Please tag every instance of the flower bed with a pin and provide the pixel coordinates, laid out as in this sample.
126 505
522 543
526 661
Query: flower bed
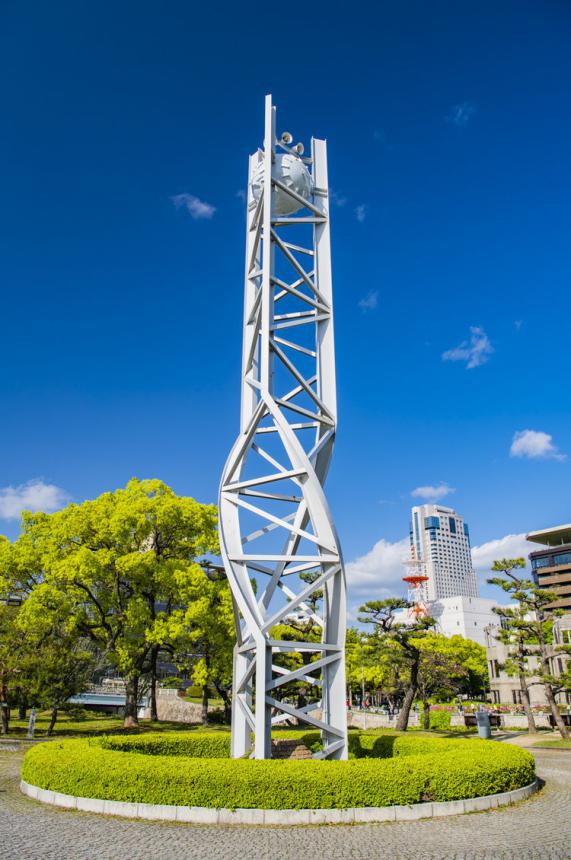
192 770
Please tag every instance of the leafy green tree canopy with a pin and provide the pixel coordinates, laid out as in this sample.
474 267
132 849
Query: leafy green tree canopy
111 569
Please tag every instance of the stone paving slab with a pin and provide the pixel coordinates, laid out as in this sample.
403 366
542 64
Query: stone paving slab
536 828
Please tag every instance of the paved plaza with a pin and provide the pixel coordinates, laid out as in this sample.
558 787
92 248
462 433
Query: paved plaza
537 828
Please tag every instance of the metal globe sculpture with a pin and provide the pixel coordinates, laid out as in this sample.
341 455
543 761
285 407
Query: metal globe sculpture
291 172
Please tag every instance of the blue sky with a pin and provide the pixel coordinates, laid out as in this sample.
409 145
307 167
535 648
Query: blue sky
449 137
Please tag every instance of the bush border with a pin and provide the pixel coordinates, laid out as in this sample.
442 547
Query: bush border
278 817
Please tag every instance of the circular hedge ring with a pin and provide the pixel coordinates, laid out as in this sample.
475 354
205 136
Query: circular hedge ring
193 769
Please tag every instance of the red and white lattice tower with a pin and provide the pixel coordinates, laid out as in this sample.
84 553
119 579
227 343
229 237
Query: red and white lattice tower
416 580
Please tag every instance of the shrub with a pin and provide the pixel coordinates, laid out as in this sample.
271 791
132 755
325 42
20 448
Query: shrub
440 719
193 745
388 769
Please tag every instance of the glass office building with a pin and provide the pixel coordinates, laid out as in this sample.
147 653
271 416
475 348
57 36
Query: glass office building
551 566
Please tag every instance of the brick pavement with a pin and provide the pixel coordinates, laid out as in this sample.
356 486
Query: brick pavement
537 828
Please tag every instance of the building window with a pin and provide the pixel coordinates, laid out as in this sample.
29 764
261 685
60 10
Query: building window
516 696
546 561
452 525
431 523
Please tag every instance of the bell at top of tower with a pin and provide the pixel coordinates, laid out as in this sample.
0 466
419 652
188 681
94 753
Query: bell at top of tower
290 170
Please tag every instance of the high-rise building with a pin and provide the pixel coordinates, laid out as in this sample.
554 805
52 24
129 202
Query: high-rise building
440 539
551 566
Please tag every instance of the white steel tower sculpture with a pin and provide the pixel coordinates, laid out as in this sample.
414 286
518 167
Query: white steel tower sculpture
275 527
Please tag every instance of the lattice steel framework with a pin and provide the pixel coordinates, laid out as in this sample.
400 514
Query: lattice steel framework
277 536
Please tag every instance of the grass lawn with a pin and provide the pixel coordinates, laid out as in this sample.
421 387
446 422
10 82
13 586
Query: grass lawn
103 724
94 724
559 744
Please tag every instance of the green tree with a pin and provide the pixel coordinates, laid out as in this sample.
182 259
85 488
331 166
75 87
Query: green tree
200 633
113 568
14 652
441 671
381 614
521 645
530 624
373 663
62 667
466 654
39 669
355 661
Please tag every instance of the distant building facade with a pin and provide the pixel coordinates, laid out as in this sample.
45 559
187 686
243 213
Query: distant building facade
551 566
439 538
464 616
505 689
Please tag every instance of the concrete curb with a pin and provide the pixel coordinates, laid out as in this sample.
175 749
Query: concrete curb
273 817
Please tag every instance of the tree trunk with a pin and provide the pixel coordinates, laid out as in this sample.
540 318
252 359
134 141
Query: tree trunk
205 705
131 720
227 701
559 721
545 667
402 722
426 706
526 703
22 712
5 720
53 718
153 691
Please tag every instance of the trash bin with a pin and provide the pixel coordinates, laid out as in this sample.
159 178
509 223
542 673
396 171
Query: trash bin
484 728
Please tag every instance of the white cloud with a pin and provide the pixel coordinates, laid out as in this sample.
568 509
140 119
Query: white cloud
461 114
535 445
370 301
433 494
241 194
474 352
361 212
378 573
33 496
509 546
518 324
197 208
338 199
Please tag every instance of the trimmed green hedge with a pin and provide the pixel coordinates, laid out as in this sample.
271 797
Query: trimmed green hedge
193 745
420 769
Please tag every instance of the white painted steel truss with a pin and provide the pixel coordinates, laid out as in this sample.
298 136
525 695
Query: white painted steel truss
275 523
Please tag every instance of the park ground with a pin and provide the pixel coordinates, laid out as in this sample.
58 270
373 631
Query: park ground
536 828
